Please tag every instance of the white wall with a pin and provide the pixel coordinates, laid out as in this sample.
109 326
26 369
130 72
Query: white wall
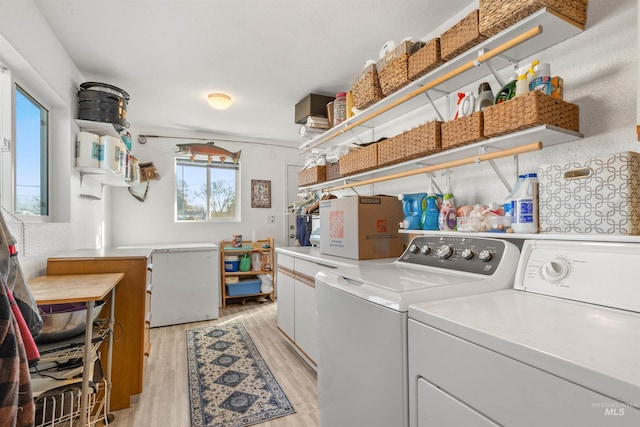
153 221
77 222
599 67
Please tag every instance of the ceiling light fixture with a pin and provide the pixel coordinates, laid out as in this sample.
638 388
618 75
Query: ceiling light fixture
219 101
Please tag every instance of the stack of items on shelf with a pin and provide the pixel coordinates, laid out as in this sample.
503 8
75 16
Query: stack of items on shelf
312 113
533 97
109 153
434 211
56 378
314 126
398 66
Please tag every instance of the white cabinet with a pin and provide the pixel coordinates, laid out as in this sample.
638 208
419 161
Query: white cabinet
286 302
297 304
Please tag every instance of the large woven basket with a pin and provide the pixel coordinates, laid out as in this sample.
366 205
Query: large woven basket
463 131
366 88
360 160
391 150
496 15
525 111
312 175
426 59
461 37
393 69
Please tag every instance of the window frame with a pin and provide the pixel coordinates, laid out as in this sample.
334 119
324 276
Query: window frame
209 165
19 86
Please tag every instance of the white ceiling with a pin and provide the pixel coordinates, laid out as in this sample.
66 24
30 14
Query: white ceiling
267 54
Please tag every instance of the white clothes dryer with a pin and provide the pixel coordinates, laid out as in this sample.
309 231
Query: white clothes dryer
561 348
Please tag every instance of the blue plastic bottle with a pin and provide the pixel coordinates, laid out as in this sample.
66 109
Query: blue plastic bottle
413 206
431 213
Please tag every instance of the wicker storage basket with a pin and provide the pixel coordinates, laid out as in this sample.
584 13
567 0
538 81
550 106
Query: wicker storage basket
366 88
461 37
333 171
496 15
417 142
533 109
462 131
393 69
360 160
391 151
425 60
312 175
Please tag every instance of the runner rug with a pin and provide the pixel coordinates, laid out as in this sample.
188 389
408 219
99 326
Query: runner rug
230 384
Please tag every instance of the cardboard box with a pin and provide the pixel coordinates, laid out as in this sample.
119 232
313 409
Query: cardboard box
600 195
312 105
361 227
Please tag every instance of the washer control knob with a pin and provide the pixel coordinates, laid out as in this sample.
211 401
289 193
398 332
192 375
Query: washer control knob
555 269
485 255
444 252
467 253
425 250
414 249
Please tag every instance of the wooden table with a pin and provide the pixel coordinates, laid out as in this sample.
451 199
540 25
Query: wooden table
87 288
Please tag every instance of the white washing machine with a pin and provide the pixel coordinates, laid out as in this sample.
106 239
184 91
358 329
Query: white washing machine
561 348
362 322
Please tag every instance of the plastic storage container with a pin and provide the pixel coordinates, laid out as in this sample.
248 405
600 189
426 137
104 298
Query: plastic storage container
243 287
231 263
340 108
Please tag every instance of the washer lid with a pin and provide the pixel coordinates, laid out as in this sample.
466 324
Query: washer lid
594 346
396 287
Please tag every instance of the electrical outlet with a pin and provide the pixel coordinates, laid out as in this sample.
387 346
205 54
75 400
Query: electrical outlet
271 219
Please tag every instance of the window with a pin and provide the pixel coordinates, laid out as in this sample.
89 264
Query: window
31 156
207 191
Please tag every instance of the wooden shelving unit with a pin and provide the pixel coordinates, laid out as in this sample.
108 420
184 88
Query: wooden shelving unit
264 247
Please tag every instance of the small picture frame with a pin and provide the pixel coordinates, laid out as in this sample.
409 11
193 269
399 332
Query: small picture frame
260 193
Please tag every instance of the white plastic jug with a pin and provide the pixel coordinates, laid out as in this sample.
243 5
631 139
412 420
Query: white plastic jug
525 206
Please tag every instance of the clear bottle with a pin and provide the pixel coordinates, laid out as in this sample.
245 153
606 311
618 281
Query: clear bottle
340 108
525 206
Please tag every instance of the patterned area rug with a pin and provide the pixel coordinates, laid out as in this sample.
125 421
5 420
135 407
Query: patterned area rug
230 384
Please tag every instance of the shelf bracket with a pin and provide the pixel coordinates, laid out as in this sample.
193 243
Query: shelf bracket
433 105
492 67
498 172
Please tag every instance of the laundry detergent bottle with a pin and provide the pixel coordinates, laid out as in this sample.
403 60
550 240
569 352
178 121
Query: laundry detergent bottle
525 206
447 220
413 205
431 213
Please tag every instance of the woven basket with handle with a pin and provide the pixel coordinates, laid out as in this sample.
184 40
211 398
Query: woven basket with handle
529 110
360 160
497 15
463 131
461 37
366 88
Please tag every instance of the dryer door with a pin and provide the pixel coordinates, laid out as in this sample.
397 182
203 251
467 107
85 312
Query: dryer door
437 408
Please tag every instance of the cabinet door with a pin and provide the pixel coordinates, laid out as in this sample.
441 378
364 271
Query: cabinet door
286 301
305 317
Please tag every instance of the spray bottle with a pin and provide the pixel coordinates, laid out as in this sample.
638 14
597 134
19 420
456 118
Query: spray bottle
507 91
524 76
447 220
431 213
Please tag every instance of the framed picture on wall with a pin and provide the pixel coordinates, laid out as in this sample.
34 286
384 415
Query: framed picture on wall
260 193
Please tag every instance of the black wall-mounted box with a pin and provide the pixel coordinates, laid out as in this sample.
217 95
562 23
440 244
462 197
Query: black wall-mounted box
312 105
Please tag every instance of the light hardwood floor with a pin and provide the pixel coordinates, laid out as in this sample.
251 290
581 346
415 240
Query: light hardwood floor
165 399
